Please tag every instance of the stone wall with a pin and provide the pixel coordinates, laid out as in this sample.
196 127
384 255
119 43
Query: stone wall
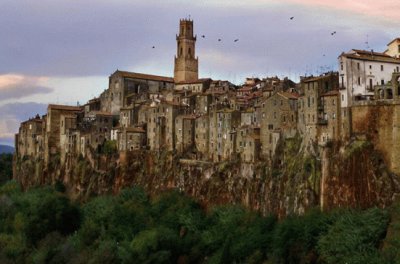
380 124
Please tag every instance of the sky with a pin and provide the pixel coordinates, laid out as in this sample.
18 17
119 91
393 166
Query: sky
62 51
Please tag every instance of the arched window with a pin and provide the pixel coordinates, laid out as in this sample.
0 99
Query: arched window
190 52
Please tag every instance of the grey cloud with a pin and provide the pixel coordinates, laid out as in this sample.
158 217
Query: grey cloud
20 91
15 113
79 38
23 111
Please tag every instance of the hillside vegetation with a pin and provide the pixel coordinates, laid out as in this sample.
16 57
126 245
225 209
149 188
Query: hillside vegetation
42 225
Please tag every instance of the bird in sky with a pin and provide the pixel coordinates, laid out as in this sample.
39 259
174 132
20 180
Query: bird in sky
153 47
236 40
333 33
291 18
203 36
219 39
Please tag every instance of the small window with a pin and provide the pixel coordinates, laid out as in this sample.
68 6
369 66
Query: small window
358 65
370 67
381 67
382 82
359 80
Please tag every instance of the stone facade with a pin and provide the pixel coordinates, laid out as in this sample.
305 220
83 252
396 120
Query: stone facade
186 62
278 120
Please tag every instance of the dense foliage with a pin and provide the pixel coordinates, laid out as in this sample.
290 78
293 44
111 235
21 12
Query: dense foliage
5 167
43 226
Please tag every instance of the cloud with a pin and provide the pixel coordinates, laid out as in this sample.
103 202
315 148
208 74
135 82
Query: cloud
94 38
19 86
387 9
15 113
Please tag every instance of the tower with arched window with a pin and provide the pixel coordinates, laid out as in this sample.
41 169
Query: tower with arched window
186 63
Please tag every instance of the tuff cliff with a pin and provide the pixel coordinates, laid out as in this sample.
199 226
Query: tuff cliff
354 175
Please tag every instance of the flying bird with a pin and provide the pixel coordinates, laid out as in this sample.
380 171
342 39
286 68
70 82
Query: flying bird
153 47
291 18
236 40
203 36
219 39
333 33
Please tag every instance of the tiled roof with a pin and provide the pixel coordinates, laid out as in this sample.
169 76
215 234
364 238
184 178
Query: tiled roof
64 107
144 76
370 56
331 93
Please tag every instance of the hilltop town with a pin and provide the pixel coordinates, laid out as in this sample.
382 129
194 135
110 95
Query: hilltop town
214 121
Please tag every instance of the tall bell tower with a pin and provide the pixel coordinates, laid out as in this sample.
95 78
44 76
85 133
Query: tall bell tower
186 64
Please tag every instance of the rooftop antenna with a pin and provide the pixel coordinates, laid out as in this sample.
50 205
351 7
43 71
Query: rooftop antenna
367 43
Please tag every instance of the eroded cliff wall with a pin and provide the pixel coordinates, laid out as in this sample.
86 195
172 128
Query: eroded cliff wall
354 175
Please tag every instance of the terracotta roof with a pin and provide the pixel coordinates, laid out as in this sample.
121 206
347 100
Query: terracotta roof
144 76
294 96
370 56
331 93
316 78
64 107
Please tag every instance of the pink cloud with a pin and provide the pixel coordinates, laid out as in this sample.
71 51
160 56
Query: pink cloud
18 86
388 9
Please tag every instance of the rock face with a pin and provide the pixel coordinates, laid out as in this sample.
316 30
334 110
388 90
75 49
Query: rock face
351 176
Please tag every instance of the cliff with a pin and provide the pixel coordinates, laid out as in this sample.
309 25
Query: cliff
339 176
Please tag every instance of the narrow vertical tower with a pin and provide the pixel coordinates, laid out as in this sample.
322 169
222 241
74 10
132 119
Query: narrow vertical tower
186 64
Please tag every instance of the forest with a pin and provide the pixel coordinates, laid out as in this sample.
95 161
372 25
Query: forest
42 225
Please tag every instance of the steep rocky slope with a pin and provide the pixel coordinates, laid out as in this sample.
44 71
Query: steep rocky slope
352 175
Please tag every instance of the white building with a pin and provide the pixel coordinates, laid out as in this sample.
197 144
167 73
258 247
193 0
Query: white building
360 71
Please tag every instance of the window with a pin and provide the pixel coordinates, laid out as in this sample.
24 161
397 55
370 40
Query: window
370 84
370 67
341 66
382 81
359 80
381 67
342 97
270 126
358 65
397 68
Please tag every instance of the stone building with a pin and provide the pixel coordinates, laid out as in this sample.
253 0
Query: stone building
278 120
248 143
161 124
127 87
29 140
53 124
224 122
310 104
131 138
202 135
69 139
185 132
330 121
